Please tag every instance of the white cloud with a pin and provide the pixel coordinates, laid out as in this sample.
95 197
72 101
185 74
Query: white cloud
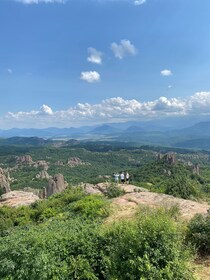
166 72
139 2
40 1
9 70
94 56
90 76
111 110
123 49
46 110
169 86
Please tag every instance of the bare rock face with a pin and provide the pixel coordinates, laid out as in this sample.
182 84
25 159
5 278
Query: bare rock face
56 184
74 161
43 175
196 169
59 163
91 189
18 198
41 163
4 182
170 158
27 159
159 156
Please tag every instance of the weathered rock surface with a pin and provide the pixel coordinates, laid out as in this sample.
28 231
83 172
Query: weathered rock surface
27 159
187 208
41 163
56 184
4 182
75 161
91 189
18 198
170 158
59 163
101 188
43 175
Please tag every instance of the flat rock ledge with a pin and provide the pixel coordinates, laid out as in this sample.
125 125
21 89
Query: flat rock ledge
188 208
18 198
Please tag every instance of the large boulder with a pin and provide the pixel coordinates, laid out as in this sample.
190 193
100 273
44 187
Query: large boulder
4 182
56 184
18 198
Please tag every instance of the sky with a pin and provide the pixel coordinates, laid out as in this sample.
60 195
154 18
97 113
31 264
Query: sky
70 63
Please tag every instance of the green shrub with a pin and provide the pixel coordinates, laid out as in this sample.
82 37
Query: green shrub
182 186
199 233
91 206
114 190
150 247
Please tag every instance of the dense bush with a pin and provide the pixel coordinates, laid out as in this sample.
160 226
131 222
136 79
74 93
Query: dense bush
72 200
199 233
182 186
114 190
149 247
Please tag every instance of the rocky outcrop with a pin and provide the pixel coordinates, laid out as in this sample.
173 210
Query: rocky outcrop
101 188
75 161
27 159
41 163
43 175
196 169
90 189
18 198
56 184
59 163
4 182
187 208
169 158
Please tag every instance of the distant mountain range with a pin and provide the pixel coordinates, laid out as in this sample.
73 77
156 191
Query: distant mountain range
152 133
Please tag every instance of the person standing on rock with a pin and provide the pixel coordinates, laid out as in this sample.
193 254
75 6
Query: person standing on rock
116 177
122 178
127 176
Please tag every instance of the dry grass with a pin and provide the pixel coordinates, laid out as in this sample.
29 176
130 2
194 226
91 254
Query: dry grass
202 268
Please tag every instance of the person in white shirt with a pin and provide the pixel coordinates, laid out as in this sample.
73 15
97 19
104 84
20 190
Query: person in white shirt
116 177
122 178
127 176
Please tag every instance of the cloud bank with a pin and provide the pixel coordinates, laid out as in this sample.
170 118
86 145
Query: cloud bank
110 110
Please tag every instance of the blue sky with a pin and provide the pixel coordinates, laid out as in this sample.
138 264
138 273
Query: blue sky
73 62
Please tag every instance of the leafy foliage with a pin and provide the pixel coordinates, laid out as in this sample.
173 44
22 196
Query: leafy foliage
113 190
199 233
150 247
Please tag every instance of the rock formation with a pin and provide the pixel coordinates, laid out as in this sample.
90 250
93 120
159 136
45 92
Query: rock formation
196 169
59 163
56 184
4 182
74 161
18 198
159 156
27 159
170 158
41 163
43 175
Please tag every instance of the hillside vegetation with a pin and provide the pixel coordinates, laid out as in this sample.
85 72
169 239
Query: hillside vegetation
74 235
